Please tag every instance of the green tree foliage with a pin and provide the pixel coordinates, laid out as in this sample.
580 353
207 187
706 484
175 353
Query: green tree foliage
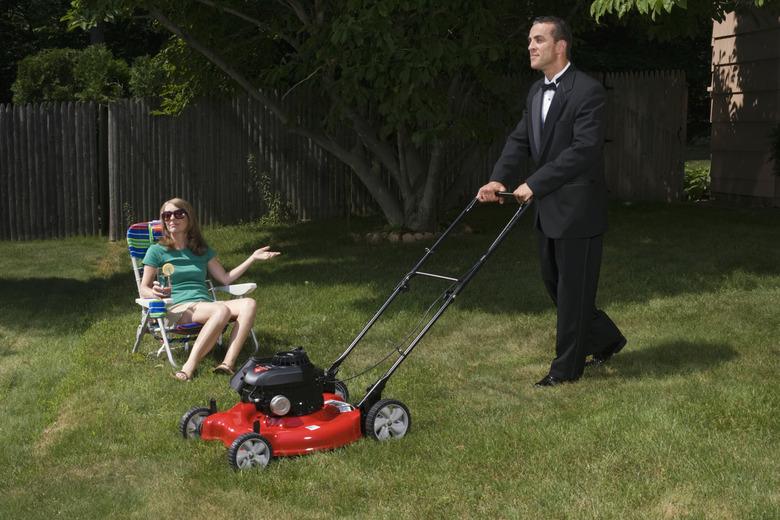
711 9
176 76
92 74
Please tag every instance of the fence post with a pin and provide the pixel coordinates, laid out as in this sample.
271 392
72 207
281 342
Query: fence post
102 173
6 171
111 160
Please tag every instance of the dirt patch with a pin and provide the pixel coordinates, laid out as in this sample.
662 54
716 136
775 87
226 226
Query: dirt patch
65 421
111 261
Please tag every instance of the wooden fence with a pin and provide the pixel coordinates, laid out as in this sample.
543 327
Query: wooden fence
645 150
82 169
49 171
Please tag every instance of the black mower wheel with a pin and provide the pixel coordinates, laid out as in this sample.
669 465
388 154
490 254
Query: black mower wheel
387 419
249 450
189 425
342 391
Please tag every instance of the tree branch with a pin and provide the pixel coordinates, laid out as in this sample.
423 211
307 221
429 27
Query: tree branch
319 12
434 167
367 134
354 159
414 161
210 55
254 21
280 113
298 9
403 170
304 80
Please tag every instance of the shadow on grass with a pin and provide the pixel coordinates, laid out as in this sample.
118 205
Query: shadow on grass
52 304
324 254
651 251
669 359
6 351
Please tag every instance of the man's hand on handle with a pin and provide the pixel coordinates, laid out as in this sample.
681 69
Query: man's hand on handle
523 193
489 193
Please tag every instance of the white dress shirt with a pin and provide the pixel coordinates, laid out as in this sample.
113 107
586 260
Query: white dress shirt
547 95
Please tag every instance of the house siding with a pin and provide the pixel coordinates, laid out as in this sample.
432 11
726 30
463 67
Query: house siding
745 107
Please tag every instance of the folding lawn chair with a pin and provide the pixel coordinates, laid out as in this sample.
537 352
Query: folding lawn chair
140 237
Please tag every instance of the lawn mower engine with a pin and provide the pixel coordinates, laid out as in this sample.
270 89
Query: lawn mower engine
287 384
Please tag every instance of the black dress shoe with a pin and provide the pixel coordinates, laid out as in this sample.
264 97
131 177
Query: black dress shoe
549 380
602 357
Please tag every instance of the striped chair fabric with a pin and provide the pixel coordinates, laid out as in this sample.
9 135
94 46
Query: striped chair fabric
140 237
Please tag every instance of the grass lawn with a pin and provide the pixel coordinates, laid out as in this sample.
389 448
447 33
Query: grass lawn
683 423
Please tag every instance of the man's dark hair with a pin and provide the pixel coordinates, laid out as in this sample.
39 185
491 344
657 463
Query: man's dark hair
561 30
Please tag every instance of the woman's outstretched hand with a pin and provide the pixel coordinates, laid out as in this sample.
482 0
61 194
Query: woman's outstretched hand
264 254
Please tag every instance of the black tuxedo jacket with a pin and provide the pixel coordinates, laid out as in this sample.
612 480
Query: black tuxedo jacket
567 176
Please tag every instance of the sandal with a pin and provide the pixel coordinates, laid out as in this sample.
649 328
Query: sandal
181 375
222 368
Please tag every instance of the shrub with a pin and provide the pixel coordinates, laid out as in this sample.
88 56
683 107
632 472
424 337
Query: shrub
99 76
147 77
91 74
697 181
278 211
46 76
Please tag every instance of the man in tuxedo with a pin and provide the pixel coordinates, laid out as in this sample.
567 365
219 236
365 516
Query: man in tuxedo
562 131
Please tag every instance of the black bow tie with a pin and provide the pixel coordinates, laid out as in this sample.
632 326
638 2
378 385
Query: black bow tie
549 86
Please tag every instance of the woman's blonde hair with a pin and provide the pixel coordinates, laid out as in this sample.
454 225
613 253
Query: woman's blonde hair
195 240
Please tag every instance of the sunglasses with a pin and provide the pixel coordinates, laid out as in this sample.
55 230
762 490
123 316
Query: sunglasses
178 214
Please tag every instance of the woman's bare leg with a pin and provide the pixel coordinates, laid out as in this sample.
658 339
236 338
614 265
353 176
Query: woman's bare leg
214 316
243 310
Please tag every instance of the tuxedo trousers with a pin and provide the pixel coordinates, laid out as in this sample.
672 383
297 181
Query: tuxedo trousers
570 271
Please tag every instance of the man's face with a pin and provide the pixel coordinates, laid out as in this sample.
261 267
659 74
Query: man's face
542 47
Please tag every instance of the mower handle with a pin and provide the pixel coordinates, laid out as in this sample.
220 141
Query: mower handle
374 392
506 195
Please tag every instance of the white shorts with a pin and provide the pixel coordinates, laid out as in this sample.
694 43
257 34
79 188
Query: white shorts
177 310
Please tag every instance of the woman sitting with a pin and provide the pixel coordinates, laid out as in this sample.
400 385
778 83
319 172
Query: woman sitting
182 245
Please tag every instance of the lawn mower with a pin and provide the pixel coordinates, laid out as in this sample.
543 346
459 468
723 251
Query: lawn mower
291 407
